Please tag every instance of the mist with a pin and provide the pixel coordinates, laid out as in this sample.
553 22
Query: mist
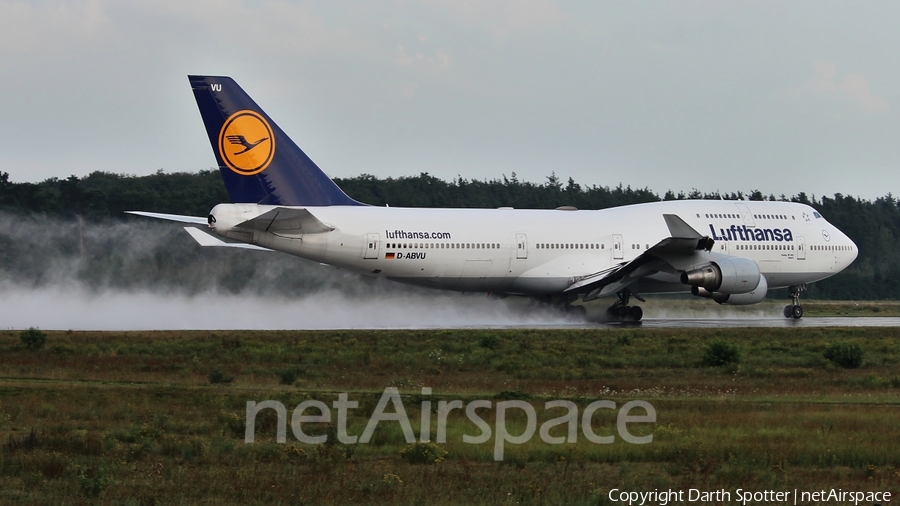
139 274
143 274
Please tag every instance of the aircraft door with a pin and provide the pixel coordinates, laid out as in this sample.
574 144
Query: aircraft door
371 246
801 248
521 246
746 215
618 247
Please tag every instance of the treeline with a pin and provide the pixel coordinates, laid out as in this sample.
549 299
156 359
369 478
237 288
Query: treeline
874 225
105 195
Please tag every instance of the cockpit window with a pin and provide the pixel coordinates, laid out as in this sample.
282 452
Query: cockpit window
817 215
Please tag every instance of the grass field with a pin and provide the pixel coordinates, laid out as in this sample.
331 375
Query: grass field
159 417
850 308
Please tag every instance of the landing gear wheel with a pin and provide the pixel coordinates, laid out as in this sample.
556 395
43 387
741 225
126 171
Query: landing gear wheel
636 313
621 311
794 310
579 312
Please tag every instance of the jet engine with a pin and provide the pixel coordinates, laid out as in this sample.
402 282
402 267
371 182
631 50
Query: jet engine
731 275
740 299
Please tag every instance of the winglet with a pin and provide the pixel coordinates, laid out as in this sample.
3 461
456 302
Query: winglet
679 229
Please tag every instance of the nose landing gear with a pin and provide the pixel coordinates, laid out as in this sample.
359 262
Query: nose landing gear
794 310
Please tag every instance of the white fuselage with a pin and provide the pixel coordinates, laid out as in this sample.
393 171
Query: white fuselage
541 252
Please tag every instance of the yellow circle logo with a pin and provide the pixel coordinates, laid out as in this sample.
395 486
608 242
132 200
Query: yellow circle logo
246 143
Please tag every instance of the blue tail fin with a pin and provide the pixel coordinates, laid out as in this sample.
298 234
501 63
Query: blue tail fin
259 163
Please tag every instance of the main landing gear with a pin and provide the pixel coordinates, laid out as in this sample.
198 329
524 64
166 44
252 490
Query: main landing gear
621 311
577 312
559 305
794 310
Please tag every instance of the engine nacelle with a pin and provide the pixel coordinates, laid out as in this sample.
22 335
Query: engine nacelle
743 299
731 275
699 291
739 299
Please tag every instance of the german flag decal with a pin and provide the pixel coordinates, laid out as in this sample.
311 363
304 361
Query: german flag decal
389 256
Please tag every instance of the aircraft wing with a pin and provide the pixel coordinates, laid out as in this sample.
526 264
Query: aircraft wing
683 242
287 220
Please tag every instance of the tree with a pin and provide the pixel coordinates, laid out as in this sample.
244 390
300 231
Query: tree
33 338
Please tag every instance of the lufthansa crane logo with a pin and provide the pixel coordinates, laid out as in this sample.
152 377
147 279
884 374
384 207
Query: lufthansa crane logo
246 143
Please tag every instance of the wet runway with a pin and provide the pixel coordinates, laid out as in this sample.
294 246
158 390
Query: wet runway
82 309
718 323
730 323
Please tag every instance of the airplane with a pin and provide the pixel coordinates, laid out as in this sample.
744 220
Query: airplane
732 252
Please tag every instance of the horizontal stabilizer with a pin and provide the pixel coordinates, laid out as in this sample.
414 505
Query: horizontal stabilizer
172 217
286 220
205 239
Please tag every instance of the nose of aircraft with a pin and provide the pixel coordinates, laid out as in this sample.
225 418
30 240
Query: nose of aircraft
853 253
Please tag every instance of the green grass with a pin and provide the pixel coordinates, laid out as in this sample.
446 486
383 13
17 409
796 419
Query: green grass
131 418
851 308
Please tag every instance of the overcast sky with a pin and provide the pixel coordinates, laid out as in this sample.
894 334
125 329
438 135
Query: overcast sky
778 96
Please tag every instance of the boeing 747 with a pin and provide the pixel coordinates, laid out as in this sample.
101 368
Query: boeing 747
732 252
